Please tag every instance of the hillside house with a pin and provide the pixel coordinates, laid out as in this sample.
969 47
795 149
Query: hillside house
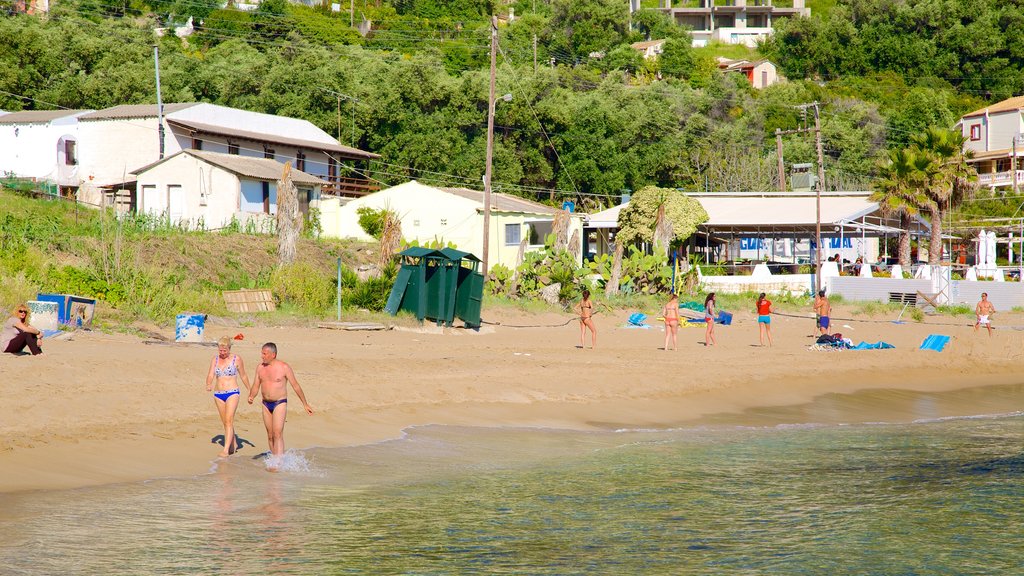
41 145
732 21
119 141
760 73
994 135
454 215
204 189
650 49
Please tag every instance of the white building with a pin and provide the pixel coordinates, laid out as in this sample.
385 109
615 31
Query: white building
995 135
41 145
733 22
211 189
451 215
118 141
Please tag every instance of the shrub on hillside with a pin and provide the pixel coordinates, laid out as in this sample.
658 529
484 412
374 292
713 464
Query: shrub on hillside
303 285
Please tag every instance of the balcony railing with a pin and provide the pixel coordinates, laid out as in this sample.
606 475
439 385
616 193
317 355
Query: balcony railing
342 186
1000 178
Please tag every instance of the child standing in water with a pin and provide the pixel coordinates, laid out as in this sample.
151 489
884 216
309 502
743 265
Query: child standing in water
764 318
671 315
709 319
585 311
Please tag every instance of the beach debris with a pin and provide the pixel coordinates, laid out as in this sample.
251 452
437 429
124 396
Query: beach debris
352 326
239 336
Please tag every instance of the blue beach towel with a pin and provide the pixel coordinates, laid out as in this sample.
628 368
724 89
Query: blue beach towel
875 346
935 342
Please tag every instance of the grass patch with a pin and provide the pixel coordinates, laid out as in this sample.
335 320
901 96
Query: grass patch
141 269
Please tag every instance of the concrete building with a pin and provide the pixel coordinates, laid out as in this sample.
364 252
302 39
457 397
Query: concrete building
41 145
732 21
210 190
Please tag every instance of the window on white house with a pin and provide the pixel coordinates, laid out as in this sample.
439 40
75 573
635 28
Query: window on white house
538 232
976 132
232 148
300 161
69 153
513 234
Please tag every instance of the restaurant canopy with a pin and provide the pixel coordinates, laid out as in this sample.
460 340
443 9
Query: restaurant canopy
783 213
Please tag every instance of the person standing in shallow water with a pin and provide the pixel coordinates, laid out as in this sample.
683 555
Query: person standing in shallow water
272 379
709 320
585 312
764 318
224 373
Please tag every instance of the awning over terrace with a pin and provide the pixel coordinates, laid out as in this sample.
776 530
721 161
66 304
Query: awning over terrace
760 214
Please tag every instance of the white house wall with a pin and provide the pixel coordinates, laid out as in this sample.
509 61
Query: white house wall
428 214
35 150
316 162
111 149
1003 127
210 193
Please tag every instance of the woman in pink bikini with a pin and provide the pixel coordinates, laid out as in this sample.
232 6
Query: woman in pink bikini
671 315
225 371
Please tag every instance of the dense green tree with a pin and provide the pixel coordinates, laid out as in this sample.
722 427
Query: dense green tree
581 27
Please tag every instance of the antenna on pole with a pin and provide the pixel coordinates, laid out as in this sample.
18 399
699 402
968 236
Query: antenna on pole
159 100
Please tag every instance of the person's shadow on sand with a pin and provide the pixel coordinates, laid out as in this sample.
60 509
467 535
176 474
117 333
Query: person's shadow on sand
239 442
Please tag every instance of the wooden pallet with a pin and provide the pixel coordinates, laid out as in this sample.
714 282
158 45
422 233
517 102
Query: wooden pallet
249 300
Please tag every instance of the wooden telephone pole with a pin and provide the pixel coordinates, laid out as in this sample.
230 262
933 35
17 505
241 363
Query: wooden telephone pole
490 148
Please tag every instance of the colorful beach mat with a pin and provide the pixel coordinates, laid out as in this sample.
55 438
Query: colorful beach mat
935 342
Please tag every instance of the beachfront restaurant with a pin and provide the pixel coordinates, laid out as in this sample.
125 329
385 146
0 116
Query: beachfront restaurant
776 228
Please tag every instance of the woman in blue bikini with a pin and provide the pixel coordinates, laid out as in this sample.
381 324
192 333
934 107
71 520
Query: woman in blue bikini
224 373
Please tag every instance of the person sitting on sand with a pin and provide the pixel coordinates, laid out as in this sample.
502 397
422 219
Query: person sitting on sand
984 310
272 378
17 333
585 311
823 309
671 315
709 320
225 371
764 318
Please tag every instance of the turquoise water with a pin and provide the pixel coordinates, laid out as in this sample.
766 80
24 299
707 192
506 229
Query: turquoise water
937 495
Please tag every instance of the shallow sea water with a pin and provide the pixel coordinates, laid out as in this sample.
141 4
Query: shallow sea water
808 489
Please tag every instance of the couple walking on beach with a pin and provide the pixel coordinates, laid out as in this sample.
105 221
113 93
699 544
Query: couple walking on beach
272 379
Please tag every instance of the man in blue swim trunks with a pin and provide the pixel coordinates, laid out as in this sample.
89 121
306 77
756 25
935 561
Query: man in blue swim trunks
272 377
823 310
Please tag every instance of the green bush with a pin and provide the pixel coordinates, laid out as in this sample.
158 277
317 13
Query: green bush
304 286
371 220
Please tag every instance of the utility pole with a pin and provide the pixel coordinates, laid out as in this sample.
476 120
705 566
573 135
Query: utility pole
339 118
782 165
490 146
534 53
818 188
159 100
351 13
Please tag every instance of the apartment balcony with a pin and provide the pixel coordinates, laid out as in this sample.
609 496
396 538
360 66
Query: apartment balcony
1000 179
350 187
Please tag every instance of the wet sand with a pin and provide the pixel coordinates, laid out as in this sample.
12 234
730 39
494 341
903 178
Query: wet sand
104 408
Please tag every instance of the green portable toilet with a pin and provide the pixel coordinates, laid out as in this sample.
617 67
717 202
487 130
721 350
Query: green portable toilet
435 284
469 285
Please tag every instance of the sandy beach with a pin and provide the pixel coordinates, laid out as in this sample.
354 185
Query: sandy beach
105 408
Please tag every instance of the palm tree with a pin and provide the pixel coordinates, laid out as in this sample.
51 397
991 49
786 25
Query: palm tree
899 191
951 179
